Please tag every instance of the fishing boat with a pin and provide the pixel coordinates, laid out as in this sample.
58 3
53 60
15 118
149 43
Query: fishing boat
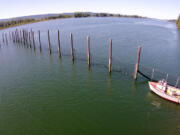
162 89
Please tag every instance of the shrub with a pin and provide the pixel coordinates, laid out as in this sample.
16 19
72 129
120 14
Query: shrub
178 22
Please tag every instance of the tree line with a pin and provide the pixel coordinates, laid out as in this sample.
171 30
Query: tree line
15 22
84 14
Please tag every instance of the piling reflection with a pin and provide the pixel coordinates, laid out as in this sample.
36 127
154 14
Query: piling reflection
89 76
109 84
51 59
135 84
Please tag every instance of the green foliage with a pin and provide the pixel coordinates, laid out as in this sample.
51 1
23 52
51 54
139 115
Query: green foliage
81 14
14 22
64 16
178 22
52 17
103 15
59 16
117 15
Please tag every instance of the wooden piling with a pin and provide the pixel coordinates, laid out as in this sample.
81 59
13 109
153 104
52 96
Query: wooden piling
16 35
22 37
49 43
33 41
25 41
72 49
59 46
152 76
20 34
137 63
88 51
23 32
39 34
177 81
3 37
9 35
29 39
6 39
17 40
26 37
167 77
13 36
110 55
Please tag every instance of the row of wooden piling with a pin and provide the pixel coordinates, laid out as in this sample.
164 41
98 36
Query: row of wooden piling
4 38
27 39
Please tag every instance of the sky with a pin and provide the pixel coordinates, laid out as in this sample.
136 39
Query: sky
160 9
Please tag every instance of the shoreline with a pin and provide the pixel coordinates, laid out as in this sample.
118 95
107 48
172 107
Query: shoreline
18 21
43 20
20 24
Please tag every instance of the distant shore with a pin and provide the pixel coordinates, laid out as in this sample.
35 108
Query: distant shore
18 24
32 19
13 22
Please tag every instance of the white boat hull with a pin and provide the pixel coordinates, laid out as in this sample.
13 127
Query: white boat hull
162 94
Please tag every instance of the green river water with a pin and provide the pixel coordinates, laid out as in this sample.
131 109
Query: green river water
45 95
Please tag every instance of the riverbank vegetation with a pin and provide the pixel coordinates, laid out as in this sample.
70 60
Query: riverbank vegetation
22 21
84 14
178 22
16 22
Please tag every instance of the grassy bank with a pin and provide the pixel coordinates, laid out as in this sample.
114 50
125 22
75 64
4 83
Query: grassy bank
17 22
8 25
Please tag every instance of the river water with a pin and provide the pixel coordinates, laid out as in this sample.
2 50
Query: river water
42 94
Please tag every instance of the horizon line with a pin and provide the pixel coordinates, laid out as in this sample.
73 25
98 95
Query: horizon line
83 12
